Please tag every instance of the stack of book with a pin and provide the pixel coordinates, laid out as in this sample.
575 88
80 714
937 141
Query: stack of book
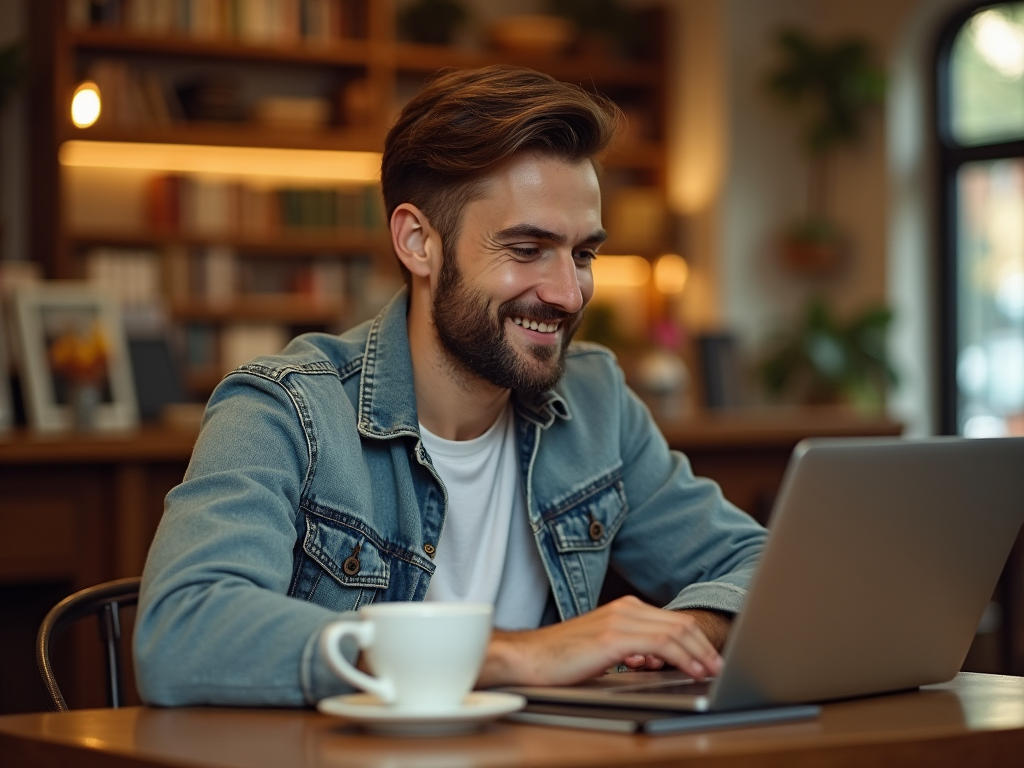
256 22
194 206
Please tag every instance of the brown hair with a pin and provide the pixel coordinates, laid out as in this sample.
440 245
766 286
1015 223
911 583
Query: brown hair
467 121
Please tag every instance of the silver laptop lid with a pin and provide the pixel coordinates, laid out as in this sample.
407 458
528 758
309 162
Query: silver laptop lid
882 556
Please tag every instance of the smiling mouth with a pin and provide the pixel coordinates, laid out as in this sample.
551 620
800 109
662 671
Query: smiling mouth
534 325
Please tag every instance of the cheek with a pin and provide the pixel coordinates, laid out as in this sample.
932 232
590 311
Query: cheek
586 283
504 282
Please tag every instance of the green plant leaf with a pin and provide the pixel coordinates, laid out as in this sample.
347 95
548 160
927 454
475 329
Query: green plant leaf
831 87
823 358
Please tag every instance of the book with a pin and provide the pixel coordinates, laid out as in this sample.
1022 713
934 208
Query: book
654 721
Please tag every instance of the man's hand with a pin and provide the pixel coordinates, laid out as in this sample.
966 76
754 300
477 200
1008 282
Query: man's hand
714 624
584 647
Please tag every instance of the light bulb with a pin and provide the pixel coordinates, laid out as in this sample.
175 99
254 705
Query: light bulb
670 273
85 104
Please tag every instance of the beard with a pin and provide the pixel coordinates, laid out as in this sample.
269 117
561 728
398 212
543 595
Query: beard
477 341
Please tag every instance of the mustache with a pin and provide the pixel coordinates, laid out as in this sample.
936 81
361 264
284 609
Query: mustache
535 311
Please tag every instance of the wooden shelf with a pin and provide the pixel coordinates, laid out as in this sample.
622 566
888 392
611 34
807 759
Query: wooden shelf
280 308
584 70
349 52
348 243
762 427
240 134
405 57
390 68
147 443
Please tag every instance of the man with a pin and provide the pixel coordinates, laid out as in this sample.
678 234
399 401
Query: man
454 448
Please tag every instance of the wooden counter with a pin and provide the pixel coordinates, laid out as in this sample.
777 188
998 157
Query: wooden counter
746 451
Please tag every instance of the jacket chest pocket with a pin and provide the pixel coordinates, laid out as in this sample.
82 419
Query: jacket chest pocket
590 524
582 531
339 566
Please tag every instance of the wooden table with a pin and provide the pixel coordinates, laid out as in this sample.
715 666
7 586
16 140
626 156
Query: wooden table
975 720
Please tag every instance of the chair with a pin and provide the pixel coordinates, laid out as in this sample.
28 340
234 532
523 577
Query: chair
103 600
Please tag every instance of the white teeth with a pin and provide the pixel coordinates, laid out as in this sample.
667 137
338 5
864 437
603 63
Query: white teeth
533 325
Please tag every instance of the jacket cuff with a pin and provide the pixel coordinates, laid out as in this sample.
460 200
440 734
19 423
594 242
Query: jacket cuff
318 680
714 596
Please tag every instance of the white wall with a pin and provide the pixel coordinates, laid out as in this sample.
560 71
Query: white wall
766 188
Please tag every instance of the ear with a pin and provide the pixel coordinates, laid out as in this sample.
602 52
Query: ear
414 240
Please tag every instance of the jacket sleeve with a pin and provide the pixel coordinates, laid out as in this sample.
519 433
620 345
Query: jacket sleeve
214 622
682 544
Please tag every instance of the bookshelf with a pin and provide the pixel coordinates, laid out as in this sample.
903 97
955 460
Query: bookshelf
285 240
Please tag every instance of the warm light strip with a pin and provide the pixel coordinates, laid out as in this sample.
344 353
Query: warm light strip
230 161
621 271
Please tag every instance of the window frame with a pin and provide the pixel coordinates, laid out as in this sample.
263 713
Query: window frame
951 158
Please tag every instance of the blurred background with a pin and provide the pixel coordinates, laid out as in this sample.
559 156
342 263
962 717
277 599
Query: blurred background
816 219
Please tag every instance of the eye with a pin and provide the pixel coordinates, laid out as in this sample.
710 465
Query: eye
586 256
525 251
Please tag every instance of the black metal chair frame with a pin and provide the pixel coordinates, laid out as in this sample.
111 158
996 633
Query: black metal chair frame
104 601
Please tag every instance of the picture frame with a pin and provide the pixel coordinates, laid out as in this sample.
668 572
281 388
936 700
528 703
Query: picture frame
53 312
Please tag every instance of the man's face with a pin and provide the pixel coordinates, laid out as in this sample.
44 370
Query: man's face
511 293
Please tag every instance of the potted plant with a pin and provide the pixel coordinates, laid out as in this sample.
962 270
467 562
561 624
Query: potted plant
831 87
825 360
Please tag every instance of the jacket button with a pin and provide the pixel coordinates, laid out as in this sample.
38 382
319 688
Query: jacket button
596 530
351 565
429 549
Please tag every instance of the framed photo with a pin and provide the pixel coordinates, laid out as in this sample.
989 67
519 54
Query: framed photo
74 359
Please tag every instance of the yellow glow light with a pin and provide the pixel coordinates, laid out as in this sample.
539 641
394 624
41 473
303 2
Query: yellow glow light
670 273
320 164
622 271
85 104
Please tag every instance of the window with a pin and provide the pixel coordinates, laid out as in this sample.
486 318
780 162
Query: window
980 119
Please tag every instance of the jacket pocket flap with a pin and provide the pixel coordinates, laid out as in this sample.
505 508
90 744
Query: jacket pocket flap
347 554
592 523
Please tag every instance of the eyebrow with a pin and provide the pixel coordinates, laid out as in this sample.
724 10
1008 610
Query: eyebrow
539 233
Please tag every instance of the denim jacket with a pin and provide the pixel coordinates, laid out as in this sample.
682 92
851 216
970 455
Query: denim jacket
310 494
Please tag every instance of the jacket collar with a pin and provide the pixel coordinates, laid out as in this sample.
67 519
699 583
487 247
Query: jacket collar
387 393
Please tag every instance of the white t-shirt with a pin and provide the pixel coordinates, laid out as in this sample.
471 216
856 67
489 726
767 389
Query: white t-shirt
487 552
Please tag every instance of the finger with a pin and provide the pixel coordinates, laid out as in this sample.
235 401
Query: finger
635 661
653 662
680 646
700 650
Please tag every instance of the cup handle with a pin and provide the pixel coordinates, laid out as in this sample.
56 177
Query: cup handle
362 631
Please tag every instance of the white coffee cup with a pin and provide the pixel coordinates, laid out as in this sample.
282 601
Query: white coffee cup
425 656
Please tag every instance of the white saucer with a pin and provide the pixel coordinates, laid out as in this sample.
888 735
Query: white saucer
371 713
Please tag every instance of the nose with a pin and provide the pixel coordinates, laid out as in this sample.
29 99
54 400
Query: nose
561 285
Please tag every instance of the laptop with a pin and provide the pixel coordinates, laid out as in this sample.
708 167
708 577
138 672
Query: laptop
881 558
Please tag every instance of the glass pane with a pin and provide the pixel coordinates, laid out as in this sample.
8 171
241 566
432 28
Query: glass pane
990 286
987 77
